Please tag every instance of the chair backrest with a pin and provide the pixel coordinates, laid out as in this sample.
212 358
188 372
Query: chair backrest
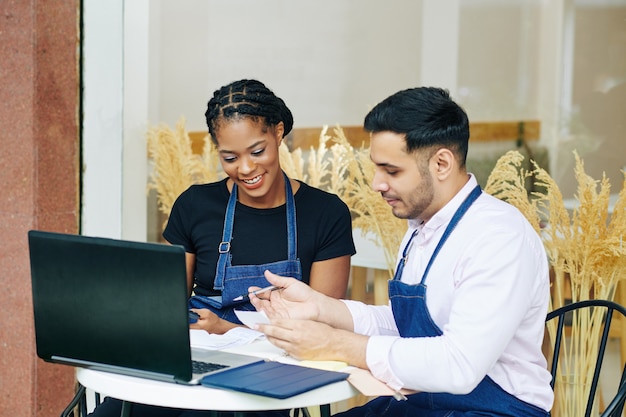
599 314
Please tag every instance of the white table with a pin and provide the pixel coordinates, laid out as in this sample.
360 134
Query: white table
196 397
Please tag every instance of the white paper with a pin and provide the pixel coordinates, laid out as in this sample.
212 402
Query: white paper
237 336
250 318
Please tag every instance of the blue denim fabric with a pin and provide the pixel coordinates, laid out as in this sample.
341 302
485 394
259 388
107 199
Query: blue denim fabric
238 279
234 280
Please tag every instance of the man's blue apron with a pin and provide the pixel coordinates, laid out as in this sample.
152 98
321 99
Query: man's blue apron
408 303
234 280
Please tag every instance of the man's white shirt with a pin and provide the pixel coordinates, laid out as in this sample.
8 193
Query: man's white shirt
487 291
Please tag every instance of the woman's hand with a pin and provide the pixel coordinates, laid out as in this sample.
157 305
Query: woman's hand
210 322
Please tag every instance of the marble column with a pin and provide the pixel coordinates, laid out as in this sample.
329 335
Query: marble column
39 183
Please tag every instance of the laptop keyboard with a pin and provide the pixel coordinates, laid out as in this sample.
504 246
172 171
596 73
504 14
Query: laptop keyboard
199 367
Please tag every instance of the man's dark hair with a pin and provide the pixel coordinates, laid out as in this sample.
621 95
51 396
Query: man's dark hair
247 99
427 116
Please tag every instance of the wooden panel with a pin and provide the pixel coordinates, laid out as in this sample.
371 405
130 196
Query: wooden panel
197 141
503 131
307 137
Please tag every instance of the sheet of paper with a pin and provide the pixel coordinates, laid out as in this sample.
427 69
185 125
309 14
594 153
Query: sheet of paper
325 365
263 349
237 336
250 318
369 386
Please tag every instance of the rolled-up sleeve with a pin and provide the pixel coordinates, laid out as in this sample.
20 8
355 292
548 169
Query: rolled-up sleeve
372 320
379 324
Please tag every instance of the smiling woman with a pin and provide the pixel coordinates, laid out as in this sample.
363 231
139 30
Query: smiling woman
255 219
250 123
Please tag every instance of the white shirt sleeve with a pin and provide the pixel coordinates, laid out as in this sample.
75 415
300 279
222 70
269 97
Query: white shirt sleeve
372 320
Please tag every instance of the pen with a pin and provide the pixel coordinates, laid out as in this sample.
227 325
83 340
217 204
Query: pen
262 290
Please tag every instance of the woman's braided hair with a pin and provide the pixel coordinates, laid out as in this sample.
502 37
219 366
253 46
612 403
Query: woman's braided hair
246 99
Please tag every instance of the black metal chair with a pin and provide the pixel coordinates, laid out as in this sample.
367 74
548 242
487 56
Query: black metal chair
78 406
563 317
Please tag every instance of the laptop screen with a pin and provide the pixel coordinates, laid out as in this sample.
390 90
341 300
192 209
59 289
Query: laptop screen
106 303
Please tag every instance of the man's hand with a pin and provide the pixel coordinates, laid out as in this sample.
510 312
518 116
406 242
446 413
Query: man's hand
311 340
307 324
294 299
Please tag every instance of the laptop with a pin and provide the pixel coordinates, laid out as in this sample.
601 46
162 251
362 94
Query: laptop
117 306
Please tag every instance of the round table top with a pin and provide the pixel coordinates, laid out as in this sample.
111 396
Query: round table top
198 397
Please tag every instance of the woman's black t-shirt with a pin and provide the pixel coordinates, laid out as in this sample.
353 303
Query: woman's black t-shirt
324 230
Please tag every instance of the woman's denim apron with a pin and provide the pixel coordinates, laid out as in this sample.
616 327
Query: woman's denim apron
412 318
234 280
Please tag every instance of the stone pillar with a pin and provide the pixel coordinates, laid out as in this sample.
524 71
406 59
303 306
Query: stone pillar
39 177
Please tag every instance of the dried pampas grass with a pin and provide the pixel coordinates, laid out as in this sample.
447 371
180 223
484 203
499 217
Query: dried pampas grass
174 166
370 212
340 168
334 165
587 255
507 182
587 246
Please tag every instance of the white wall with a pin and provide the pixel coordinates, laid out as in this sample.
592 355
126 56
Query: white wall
333 60
330 60
115 108
103 69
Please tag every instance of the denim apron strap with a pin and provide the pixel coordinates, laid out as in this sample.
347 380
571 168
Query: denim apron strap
234 281
412 298
402 262
453 222
227 235
465 205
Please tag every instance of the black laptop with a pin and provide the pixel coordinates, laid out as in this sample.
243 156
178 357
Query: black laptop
117 306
